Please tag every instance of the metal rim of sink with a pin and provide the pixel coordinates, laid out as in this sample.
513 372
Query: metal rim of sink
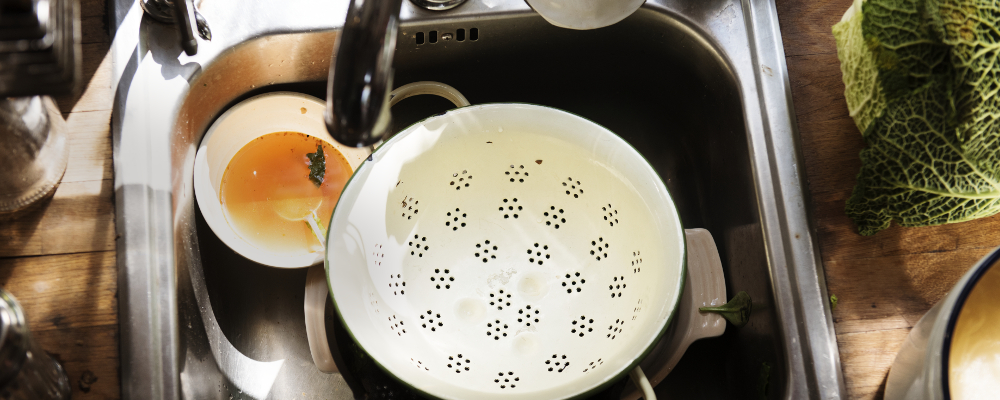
146 199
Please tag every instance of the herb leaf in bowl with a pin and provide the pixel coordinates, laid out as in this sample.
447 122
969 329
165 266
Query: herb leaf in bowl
317 165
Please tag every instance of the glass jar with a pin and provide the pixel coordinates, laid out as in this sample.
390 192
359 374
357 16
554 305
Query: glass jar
33 151
26 371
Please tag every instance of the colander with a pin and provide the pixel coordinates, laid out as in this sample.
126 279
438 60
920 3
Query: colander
506 250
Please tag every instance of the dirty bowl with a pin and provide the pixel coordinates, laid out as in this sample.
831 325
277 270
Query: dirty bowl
241 124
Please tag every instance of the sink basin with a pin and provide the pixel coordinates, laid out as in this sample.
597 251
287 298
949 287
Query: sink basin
698 87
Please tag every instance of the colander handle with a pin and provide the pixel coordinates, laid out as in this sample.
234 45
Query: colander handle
316 289
704 285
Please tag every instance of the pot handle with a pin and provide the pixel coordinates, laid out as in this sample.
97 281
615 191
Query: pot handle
427 87
704 285
316 289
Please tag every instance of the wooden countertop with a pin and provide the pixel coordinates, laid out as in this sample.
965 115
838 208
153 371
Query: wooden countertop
59 259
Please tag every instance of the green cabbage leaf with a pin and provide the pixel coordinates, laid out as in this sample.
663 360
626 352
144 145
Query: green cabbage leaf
922 79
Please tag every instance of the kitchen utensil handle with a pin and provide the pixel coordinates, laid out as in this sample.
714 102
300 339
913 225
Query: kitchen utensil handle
704 285
315 308
428 87
316 289
639 379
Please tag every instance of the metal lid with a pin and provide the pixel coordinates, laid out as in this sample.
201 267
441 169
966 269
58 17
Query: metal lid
13 338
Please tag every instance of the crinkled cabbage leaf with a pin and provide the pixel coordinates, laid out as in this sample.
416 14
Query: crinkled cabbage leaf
922 79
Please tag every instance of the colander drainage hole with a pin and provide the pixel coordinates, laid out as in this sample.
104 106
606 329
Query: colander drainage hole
615 329
445 277
637 259
483 250
516 174
592 365
526 315
494 330
456 219
500 300
418 246
419 364
397 284
507 380
377 255
617 284
536 254
409 207
510 208
573 282
460 180
557 362
395 325
428 321
460 364
556 216
580 326
572 187
612 215
599 248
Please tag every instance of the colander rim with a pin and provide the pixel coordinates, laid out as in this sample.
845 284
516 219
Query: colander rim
612 379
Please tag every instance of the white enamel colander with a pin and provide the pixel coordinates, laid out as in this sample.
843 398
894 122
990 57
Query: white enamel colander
461 292
506 250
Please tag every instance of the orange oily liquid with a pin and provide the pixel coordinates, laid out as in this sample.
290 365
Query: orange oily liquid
267 193
974 359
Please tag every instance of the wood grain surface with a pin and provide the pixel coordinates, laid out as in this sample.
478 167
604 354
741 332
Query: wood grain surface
58 258
885 282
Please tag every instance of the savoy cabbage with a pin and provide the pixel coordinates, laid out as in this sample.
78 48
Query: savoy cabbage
922 79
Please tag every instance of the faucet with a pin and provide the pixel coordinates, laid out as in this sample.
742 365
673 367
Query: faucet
357 99
183 12
357 96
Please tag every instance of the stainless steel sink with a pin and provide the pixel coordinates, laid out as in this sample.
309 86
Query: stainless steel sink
699 87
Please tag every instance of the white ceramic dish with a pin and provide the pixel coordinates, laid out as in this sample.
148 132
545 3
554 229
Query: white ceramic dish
244 122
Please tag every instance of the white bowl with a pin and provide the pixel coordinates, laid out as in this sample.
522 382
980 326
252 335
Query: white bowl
584 14
921 369
244 122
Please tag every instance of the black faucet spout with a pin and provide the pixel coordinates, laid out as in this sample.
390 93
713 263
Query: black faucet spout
357 109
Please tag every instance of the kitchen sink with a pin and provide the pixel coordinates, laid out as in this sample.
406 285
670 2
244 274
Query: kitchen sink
699 87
